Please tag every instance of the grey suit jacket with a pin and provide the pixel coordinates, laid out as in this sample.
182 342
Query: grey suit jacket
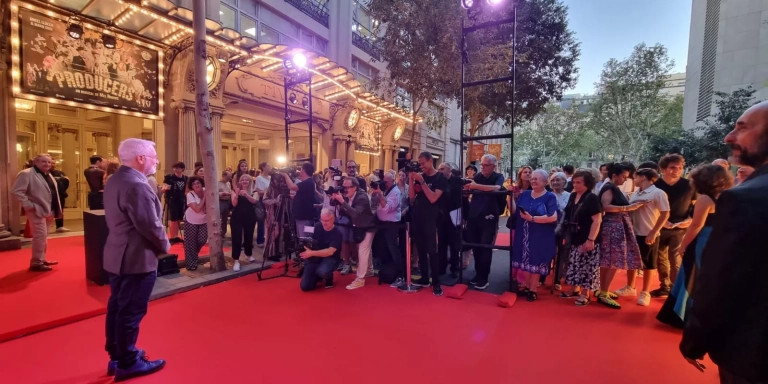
32 191
136 234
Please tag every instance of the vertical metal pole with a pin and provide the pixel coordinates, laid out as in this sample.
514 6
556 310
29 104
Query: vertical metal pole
287 115
311 158
464 156
512 129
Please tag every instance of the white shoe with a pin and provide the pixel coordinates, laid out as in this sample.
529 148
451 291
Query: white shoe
236 267
62 229
644 299
251 259
626 291
356 283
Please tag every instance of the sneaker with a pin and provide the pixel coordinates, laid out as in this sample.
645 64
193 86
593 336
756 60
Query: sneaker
329 284
661 292
346 269
357 283
437 290
423 282
473 281
644 299
398 282
112 366
626 291
251 259
481 284
62 229
236 267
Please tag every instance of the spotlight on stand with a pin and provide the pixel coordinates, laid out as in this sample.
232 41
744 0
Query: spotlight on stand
293 99
281 160
305 102
75 31
109 41
300 61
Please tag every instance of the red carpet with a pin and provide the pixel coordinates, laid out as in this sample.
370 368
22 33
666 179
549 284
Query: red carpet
32 301
246 331
502 238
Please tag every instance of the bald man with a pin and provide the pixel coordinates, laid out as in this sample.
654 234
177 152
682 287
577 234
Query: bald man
729 318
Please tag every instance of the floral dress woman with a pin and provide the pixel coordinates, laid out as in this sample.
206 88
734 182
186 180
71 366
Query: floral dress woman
534 242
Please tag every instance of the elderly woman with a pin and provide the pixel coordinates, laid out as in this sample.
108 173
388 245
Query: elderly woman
195 222
708 181
557 182
618 245
582 219
535 232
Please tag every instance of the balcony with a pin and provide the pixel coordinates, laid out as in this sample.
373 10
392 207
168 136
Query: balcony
313 8
366 45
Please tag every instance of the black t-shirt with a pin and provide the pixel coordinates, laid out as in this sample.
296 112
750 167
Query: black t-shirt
95 178
451 199
322 239
681 196
177 192
422 210
483 205
589 206
303 202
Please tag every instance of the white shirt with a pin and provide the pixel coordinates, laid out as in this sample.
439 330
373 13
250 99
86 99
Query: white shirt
644 218
391 211
562 200
262 183
190 215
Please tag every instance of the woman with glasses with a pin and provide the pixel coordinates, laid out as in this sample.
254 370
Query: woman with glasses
195 222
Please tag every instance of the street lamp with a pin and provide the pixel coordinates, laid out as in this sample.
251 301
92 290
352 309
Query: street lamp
467 4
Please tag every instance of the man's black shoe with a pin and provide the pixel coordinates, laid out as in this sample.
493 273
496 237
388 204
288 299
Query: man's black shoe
473 281
661 292
437 290
112 366
40 268
328 284
423 282
140 368
481 285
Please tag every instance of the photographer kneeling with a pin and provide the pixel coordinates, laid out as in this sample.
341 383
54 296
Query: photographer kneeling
320 262
358 209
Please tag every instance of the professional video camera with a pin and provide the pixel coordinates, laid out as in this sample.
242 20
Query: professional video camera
335 173
279 180
305 242
411 166
380 174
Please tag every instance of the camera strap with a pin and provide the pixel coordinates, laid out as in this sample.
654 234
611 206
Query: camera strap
389 190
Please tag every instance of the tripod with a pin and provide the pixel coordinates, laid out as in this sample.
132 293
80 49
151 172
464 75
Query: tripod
283 243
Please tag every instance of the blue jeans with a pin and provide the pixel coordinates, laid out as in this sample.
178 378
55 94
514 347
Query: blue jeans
316 269
126 307
260 232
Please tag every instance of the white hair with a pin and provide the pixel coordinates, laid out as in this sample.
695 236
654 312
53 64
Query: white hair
327 212
130 149
490 158
544 175
391 173
558 175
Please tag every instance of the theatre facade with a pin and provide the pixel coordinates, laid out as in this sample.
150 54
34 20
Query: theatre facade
79 76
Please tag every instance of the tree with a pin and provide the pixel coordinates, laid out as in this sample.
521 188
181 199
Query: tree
421 46
670 136
631 108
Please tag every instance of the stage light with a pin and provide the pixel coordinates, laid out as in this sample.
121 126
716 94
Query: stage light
300 61
109 41
305 102
467 4
75 31
494 2
293 99
281 160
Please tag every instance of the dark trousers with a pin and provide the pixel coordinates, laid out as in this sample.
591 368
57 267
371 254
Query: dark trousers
668 261
482 231
224 207
126 307
387 247
425 237
448 237
260 232
728 377
317 269
242 237
95 200
59 223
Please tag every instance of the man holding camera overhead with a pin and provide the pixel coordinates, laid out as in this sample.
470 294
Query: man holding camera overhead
304 201
426 188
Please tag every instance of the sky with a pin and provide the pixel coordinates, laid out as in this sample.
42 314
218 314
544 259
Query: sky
611 28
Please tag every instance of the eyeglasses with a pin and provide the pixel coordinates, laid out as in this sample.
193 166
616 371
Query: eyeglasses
487 165
348 186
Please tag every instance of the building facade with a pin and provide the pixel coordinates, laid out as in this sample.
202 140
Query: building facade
129 73
727 50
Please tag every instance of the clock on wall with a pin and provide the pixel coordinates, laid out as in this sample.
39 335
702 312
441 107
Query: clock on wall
354 117
399 132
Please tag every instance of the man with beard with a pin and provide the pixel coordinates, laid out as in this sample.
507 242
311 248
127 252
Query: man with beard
729 318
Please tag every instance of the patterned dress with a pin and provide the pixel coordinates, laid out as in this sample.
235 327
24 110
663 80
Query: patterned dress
583 265
618 245
534 242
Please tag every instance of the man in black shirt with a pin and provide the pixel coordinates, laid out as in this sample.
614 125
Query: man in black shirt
425 191
320 262
568 169
352 172
681 199
304 200
483 220
448 235
95 178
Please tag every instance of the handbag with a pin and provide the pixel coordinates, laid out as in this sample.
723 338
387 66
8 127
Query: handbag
260 211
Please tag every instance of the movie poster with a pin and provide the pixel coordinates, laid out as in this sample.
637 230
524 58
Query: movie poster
367 137
83 70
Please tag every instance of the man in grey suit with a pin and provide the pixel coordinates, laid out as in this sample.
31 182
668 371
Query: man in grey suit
729 316
136 238
36 189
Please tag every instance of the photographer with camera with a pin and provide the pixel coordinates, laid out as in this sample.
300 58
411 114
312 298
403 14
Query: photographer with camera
450 218
386 239
483 218
304 200
425 191
356 205
322 257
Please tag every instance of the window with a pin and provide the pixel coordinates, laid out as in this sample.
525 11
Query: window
268 35
247 26
279 23
227 17
249 7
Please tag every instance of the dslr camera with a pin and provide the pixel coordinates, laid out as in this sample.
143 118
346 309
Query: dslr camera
332 190
305 242
377 184
335 173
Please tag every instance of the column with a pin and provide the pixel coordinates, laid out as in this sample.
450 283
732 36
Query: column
70 161
102 143
187 137
350 151
386 158
217 153
341 149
